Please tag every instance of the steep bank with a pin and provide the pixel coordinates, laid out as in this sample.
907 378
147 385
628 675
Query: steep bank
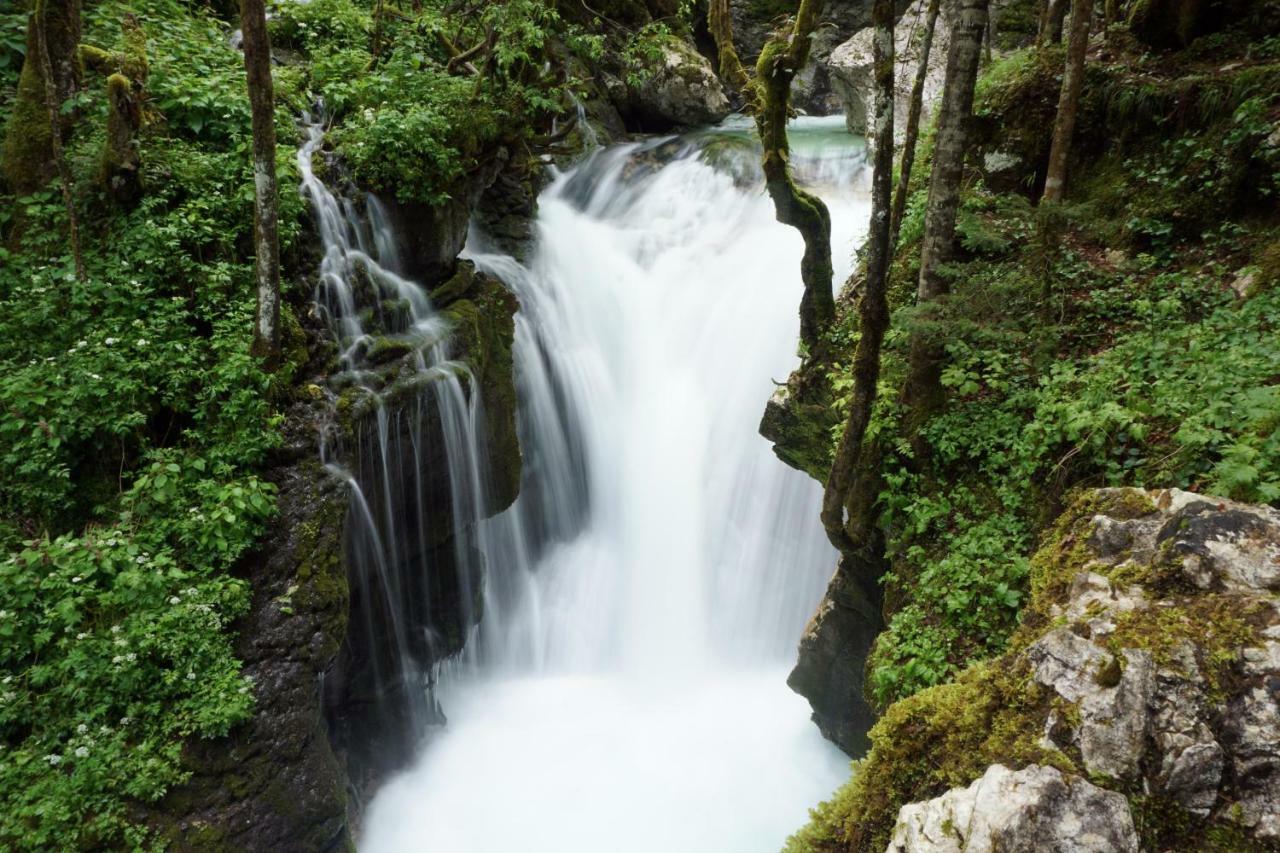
1144 666
1124 337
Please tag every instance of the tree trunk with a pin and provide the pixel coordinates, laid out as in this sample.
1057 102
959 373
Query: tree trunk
720 23
783 56
53 104
924 386
1068 100
266 241
913 125
1051 19
120 168
873 307
29 160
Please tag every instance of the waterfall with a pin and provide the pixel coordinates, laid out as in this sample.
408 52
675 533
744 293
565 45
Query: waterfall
415 572
644 595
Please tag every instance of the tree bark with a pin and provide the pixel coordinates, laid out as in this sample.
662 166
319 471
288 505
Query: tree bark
1068 100
1051 19
52 65
924 386
53 104
266 239
720 23
913 125
873 307
783 56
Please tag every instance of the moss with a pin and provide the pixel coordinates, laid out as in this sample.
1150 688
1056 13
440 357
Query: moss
484 331
1065 551
938 739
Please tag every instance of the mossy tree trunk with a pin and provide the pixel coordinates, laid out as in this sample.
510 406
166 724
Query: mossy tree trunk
923 392
266 233
50 75
873 307
783 56
720 23
120 168
1064 124
914 112
50 71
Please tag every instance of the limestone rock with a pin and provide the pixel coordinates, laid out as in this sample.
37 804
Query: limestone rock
681 91
814 89
1113 707
852 75
1036 808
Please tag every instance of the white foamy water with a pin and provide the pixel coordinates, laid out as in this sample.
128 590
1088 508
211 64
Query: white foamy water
626 688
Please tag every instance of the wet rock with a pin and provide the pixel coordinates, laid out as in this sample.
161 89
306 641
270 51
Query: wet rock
679 91
830 670
1191 759
814 89
1035 808
1253 737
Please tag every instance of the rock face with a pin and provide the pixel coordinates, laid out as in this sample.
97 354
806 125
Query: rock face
852 77
829 671
374 701
1036 808
275 784
813 90
1147 662
1167 660
681 91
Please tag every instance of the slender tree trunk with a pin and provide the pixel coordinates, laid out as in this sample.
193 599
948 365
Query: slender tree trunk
266 240
924 386
720 23
1068 100
53 103
873 307
913 125
1051 18
783 56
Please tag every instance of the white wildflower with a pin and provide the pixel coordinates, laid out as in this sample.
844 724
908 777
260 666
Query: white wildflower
175 600
82 752
54 760
82 729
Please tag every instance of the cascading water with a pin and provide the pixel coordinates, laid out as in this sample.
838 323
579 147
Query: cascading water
625 690
416 426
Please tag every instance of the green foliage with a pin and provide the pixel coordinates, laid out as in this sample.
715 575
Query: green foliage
405 132
409 124
1065 365
134 432
307 25
13 47
645 50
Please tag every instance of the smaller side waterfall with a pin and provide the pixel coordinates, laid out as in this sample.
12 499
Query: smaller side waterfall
417 470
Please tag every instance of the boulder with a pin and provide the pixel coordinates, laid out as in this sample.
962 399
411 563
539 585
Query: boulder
681 90
813 90
1035 808
852 75
1147 661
